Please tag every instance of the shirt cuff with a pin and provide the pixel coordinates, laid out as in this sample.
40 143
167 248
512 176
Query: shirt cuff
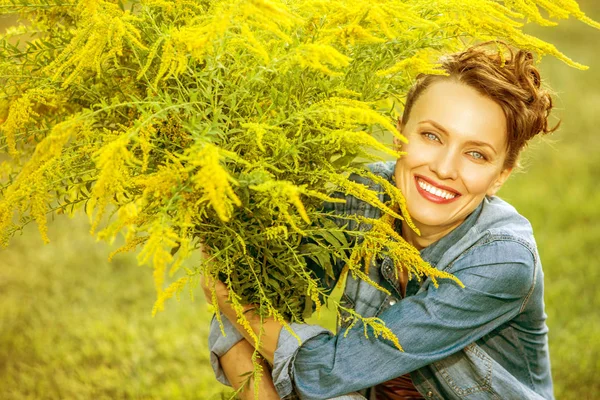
219 344
285 354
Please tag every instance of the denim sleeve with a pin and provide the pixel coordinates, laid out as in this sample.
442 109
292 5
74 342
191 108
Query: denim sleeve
219 345
431 325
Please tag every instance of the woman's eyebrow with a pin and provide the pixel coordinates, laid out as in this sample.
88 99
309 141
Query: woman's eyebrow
482 144
435 124
444 131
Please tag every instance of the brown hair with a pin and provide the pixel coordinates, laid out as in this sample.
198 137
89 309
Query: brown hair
511 80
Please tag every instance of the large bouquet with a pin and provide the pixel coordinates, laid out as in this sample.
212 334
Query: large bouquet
227 124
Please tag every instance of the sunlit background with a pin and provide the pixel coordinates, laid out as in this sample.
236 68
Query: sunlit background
74 326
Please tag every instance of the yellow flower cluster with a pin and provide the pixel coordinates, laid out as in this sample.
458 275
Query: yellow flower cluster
420 63
321 57
376 324
352 34
379 329
282 193
259 130
490 20
127 217
344 113
344 140
361 192
158 249
31 188
100 39
22 112
213 180
254 45
113 161
174 289
396 196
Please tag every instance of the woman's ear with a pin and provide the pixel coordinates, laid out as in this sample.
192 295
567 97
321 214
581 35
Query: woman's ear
499 181
397 142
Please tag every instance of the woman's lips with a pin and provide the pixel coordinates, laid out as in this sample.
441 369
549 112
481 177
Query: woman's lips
434 193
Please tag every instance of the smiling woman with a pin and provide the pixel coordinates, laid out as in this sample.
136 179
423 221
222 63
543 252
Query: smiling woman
456 149
482 341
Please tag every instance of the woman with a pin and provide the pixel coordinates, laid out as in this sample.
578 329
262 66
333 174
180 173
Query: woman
486 341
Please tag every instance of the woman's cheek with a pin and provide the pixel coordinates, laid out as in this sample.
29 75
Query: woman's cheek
477 179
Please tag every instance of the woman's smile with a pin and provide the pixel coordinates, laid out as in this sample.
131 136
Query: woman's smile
433 192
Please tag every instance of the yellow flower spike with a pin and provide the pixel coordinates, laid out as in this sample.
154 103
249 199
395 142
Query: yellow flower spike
395 195
242 319
144 137
21 112
131 244
418 64
213 180
113 161
353 34
151 56
360 139
103 31
252 44
379 329
39 199
275 232
174 289
259 130
158 249
283 192
361 192
343 112
529 9
316 56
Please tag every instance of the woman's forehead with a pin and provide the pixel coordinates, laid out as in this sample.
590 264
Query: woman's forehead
460 111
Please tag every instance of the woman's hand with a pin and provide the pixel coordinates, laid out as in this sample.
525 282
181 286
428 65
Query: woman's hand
221 290
270 327
236 365
237 362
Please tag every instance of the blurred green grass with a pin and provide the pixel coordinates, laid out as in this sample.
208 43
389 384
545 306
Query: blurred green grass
74 326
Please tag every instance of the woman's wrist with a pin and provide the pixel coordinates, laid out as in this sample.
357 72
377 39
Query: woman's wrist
248 309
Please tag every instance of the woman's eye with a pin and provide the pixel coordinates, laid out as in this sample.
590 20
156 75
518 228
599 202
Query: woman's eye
431 136
477 155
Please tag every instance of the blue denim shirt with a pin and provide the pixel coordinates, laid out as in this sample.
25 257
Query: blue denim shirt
485 341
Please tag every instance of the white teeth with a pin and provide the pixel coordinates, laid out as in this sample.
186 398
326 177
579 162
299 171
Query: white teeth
433 190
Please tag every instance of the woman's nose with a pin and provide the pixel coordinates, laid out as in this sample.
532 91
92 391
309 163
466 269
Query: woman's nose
445 165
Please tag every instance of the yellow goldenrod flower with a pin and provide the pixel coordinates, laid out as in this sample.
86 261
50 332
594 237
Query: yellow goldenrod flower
158 249
213 180
319 56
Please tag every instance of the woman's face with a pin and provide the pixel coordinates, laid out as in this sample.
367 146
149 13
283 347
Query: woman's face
455 155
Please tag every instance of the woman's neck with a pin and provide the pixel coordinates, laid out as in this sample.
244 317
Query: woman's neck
428 235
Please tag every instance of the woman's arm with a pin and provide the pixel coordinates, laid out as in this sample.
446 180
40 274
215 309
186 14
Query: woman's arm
271 327
237 363
431 325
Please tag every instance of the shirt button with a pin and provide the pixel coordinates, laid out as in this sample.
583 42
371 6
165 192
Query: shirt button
387 268
392 302
430 394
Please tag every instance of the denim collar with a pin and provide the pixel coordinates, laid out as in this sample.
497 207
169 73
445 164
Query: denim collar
434 252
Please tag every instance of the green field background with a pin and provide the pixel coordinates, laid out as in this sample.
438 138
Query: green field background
74 326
